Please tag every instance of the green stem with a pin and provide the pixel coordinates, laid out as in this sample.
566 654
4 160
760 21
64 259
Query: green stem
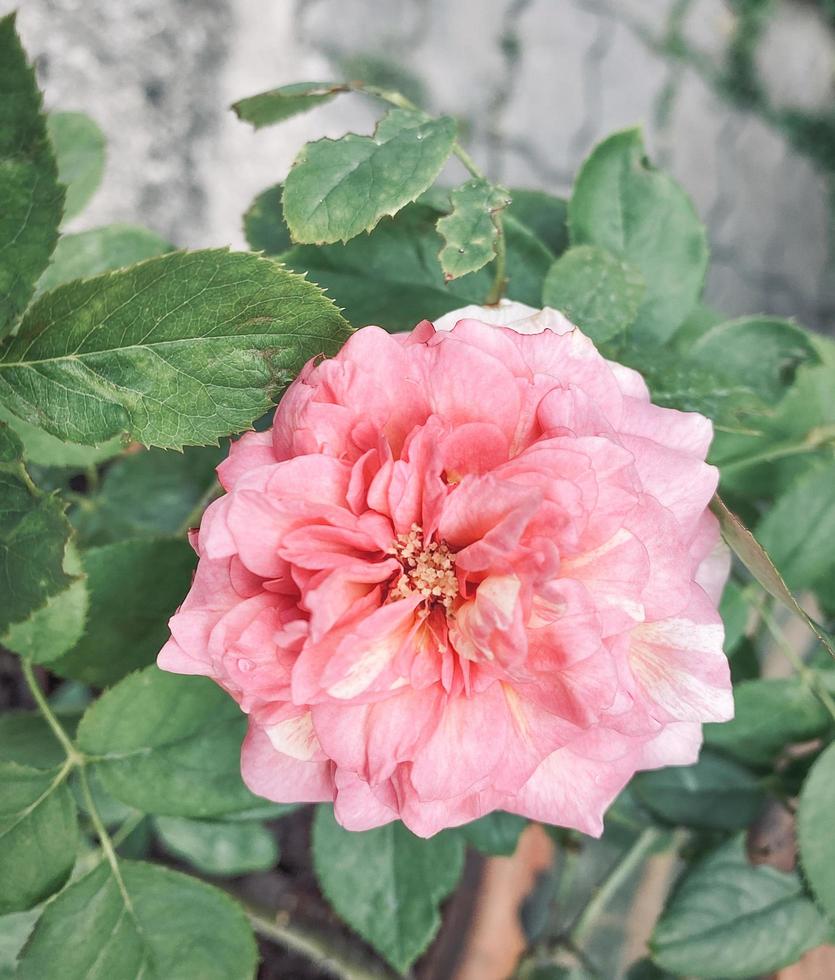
808 676
196 513
500 276
813 440
606 890
313 947
104 838
74 757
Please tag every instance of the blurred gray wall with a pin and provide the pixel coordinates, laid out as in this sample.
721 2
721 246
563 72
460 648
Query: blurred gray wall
535 83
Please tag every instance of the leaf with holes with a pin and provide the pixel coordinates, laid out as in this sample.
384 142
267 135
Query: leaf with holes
339 188
471 231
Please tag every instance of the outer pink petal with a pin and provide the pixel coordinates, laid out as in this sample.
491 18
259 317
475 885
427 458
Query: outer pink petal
680 664
279 777
356 807
252 450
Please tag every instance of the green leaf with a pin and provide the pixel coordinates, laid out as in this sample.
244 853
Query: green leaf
79 150
626 206
164 926
497 833
31 198
14 930
386 883
285 101
175 351
33 538
754 557
690 386
770 714
798 532
217 848
58 625
38 834
596 290
264 224
89 253
471 231
134 587
339 188
714 793
814 829
26 738
392 277
167 744
42 449
152 492
543 214
735 613
765 351
730 919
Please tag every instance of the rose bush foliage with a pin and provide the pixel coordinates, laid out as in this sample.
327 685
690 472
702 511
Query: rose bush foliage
463 577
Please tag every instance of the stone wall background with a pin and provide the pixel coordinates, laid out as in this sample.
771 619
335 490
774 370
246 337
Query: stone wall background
736 97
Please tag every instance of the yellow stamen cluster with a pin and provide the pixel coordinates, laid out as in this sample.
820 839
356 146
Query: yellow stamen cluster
428 569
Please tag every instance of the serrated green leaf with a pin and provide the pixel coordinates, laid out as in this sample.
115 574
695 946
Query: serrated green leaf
264 225
729 919
392 277
597 291
386 883
281 103
148 493
79 149
496 833
814 829
165 926
169 745
471 230
42 449
38 834
770 714
543 214
55 627
178 350
765 351
26 738
89 253
715 793
217 848
33 540
623 204
134 586
337 189
31 199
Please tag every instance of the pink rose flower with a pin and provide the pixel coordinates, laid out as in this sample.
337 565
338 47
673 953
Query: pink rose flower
470 568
